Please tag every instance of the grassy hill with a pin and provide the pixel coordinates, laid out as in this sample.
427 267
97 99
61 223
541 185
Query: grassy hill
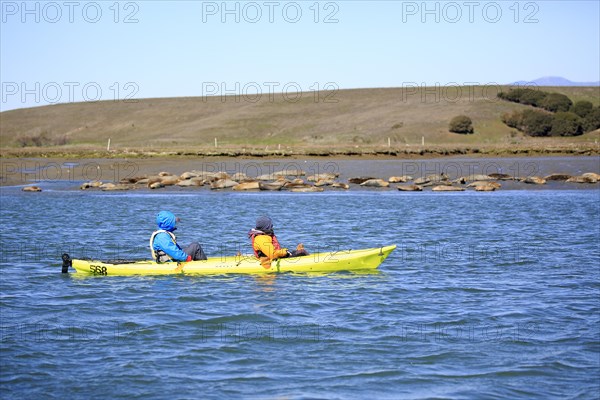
345 121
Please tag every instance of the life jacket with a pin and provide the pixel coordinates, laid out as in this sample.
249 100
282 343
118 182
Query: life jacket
158 255
259 253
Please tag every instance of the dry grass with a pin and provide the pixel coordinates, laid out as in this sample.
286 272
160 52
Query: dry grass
360 121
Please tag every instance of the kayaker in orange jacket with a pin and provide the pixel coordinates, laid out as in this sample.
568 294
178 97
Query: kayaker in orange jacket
266 246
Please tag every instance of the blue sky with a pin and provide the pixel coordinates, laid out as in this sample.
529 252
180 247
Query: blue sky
63 51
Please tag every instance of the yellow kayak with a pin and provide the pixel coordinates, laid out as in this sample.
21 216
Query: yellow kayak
345 260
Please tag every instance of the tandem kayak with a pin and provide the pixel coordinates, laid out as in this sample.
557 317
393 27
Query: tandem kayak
345 260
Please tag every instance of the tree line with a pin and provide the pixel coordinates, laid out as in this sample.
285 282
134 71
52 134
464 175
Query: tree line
554 114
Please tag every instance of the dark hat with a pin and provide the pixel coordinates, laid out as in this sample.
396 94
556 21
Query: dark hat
264 224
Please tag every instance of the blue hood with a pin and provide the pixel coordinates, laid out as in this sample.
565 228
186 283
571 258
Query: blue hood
166 220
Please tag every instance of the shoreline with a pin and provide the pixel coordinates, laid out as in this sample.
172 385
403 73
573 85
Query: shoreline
362 152
74 171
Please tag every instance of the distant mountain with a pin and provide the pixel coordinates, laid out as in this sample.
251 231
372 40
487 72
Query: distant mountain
555 81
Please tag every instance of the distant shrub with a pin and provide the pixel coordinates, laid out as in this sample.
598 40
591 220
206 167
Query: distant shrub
591 122
461 124
536 123
533 97
566 124
556 102
41 140
38 140
582 108
60 140
361 139
524 96
514 119
512 95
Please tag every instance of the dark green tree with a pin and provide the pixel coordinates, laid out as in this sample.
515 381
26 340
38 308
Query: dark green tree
533 97
527 96
556 102
461 124
514 119
513 95
582 108
536 123
591 122
566 124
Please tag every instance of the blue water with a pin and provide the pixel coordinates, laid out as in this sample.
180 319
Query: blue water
488 295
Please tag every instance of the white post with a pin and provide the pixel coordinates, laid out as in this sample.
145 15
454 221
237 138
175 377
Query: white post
422 140
389 142
108 145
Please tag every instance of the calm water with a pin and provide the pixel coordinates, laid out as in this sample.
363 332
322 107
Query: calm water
489 295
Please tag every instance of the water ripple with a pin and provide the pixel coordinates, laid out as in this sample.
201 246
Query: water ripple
485 296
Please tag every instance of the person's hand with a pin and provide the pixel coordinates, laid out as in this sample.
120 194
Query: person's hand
281 253
188 259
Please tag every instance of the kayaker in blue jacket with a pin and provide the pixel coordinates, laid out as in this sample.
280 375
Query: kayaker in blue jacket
163 244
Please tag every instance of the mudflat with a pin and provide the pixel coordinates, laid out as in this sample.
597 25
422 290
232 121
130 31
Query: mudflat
23 171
